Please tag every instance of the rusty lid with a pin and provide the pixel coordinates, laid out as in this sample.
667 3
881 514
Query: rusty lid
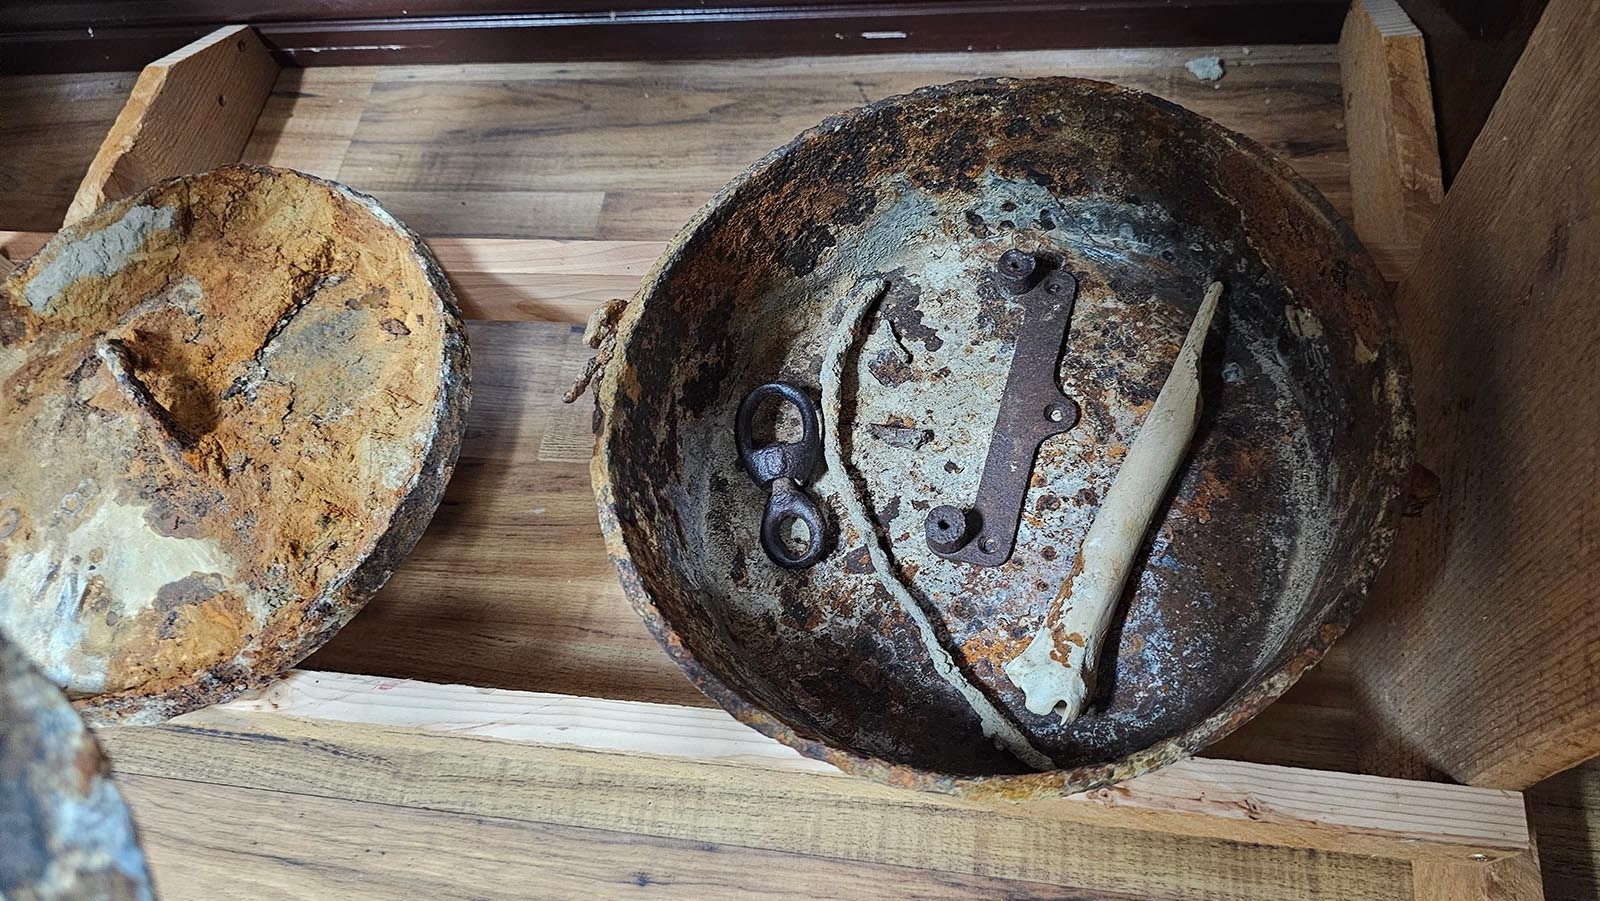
1277 521
228 407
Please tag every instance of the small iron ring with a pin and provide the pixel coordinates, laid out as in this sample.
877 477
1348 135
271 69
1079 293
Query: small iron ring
794 460
787 504
782 468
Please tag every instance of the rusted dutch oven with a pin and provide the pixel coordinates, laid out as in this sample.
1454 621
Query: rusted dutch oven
1277 521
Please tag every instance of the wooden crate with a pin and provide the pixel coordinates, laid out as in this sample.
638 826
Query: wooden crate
344 779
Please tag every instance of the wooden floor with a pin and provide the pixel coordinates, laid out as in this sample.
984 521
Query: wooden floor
625 151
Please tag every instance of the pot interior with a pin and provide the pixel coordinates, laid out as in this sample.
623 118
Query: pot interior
1276 521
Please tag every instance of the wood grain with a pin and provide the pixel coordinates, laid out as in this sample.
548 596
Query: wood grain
274 844
1567 810
795 813
546 281
510 586
309 118
1204 798
1395 184
1477 649
660 138
190 111
656 139
1511 879
50 127
496 214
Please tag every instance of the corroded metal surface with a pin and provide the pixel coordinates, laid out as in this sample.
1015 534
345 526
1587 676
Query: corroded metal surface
1277 521
228 407
64 830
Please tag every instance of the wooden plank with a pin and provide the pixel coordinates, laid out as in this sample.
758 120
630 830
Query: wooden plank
510 586
497 214
1567 810
50 126
1491 593
1206 798
1395 184
1514 878
772 810
547 281
661 138
21 245
190 111
273 844
309 118
596 724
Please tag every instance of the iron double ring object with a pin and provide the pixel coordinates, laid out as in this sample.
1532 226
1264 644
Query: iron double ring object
783 468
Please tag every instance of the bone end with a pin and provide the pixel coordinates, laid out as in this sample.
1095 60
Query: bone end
1050 685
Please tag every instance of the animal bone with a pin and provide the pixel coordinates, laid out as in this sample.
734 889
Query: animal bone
1056 670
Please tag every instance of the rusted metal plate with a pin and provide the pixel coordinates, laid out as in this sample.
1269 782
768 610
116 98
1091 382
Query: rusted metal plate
64 830
1277 522
229 408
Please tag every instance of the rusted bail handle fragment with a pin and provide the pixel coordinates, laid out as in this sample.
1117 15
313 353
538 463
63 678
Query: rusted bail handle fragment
783 468
1032 409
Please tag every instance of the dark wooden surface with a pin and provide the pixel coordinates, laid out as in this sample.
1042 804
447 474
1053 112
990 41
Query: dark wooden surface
38 36
1472 47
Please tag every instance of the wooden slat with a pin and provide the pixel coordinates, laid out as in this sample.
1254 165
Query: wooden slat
660 138
190 111
50 127
1477 649
1388 110
496 214
1514 878
1204 798
510 586
309 118
547 281
274 844
1567 811
797 813
596 724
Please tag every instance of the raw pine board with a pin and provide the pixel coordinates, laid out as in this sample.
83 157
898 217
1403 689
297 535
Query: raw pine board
468 814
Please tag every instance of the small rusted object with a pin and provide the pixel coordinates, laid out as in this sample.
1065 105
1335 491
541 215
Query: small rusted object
782 468
64 829
1032 409
1275 524
228 408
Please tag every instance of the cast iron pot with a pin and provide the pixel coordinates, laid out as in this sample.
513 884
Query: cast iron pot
1282 513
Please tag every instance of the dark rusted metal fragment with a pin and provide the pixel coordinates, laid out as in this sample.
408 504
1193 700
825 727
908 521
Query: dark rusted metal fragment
1032 409
64 830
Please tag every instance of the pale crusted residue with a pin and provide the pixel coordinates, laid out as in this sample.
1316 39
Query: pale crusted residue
1302 322
42 591
1363 353
102 252
391 461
